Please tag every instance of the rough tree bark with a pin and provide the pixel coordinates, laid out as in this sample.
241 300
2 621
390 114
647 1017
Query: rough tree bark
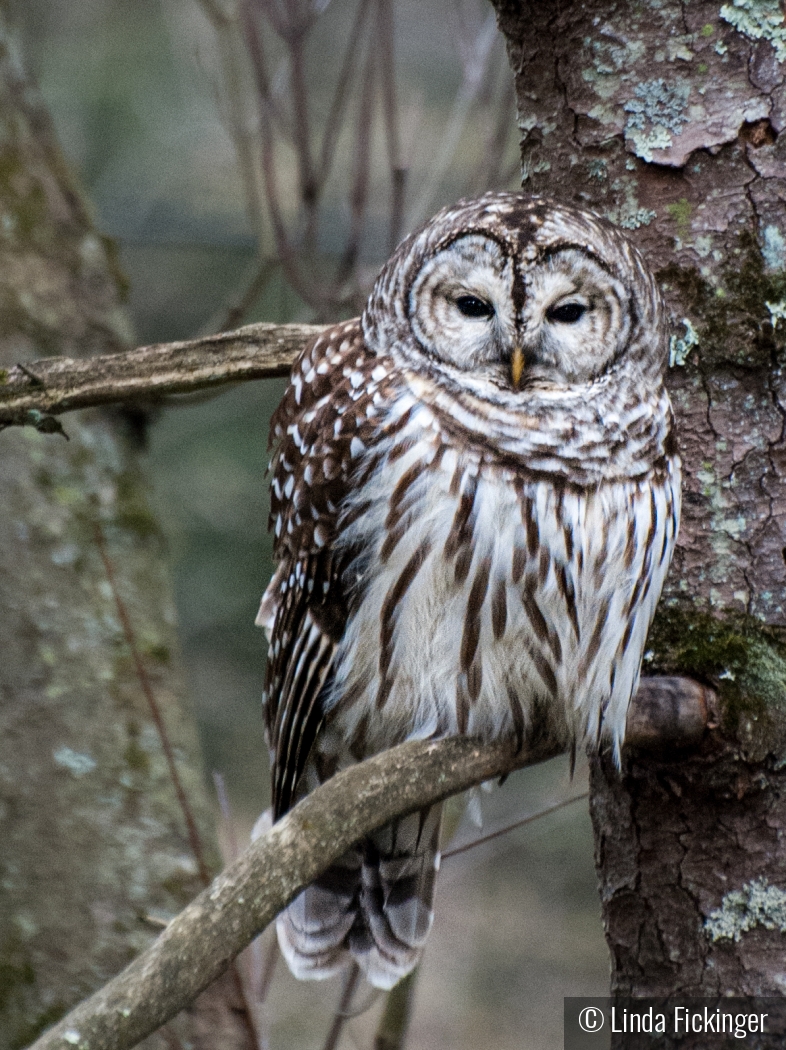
93 841
667 117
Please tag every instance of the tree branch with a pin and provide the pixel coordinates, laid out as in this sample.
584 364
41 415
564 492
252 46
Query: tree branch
41 389
200 943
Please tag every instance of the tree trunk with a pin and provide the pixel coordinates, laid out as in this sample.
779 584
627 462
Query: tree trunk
667 118
95 848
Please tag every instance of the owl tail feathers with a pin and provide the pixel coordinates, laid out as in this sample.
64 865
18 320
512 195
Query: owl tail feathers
376 904
313 929
399 872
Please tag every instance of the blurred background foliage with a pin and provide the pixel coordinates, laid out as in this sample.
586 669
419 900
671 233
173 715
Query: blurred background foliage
145 104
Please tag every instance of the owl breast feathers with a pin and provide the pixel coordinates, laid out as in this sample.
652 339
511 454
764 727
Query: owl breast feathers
475 499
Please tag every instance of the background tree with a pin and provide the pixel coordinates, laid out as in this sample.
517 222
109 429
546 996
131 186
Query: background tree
105 821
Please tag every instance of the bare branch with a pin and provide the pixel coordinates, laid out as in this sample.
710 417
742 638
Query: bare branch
342 1013
302 133
31 394
231 57
235 310
200 942
267 145
335 119
390 109
361 173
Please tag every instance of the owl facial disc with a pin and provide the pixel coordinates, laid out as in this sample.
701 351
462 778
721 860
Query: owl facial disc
553 315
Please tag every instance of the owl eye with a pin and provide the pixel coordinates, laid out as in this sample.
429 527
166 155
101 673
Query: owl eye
471 306
568 313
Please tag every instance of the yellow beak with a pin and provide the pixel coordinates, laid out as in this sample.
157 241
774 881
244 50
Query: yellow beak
516 366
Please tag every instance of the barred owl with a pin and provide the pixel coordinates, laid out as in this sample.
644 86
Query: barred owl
475 498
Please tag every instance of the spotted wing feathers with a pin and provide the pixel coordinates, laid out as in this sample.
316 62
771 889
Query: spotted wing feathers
304 609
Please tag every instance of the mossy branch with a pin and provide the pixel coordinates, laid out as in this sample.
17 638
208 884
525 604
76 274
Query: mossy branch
199 944
33 392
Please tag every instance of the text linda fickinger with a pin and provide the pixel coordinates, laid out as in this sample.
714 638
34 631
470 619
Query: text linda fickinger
683 1020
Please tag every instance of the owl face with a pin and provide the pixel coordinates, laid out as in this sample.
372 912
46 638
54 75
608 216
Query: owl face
519 294
569 320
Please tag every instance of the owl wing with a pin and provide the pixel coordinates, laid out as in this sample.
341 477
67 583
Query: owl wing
321 429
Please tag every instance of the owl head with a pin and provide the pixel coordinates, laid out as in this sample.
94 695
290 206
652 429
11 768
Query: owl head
514 295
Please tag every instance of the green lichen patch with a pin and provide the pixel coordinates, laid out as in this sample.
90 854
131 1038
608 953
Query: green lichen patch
758 903
758 20
627 213
598 169
742 659
680 347
657 111
680 212
733 322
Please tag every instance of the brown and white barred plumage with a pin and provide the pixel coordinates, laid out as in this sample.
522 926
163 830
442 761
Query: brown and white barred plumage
458 551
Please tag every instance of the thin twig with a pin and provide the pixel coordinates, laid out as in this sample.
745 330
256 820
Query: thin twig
342 95
36 380
390 110
394 1023
281 119
248 1018
361 163
233 314
454 851
227 30
241 989
193 834
284 249
342 1010
300 119
267 969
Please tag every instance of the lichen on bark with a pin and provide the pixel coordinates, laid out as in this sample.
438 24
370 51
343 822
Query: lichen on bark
670 119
